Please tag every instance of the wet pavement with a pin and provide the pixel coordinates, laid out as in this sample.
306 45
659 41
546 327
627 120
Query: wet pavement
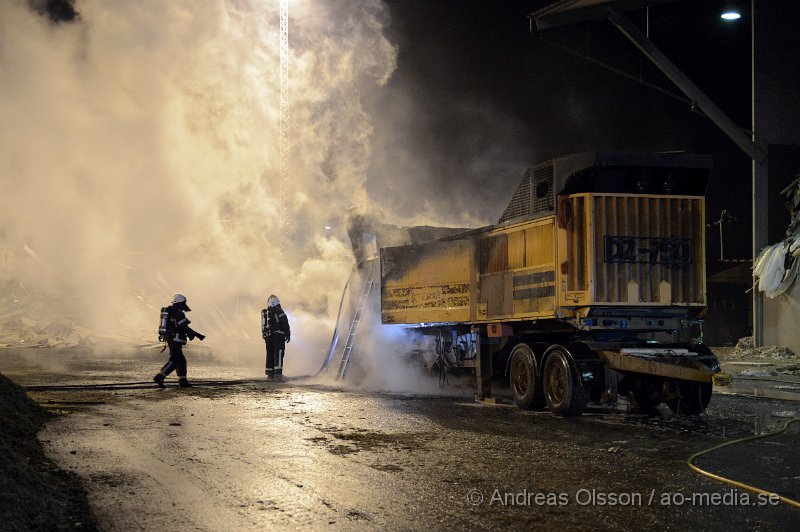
237 452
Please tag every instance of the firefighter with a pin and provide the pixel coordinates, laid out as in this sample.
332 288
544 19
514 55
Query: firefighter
176 332
276 334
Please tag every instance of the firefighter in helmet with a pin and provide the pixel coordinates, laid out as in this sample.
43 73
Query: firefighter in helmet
276 334
175 331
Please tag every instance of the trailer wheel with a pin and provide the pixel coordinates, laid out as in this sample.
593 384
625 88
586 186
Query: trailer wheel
522 378
646 394
693 398
644 402
562 392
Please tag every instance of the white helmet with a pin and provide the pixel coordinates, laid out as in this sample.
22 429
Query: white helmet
180 302
273 301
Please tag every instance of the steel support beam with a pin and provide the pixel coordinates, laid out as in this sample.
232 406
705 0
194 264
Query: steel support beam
483 366
760 241
760 188
692 91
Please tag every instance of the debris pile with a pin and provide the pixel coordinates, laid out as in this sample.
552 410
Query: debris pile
784 360
19 415
34 493
25 322
18 330
745 348
778 265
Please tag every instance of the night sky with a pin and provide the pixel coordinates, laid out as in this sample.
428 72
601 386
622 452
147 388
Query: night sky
484 97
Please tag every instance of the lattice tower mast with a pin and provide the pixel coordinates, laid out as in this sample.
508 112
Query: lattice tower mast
285 136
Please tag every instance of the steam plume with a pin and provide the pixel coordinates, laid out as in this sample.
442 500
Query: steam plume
139 158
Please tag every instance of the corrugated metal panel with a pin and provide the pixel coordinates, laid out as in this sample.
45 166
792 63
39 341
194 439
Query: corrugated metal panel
494 254
539 246
516 250
648 250
573 219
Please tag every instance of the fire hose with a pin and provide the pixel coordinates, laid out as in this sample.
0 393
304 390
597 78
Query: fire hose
736 483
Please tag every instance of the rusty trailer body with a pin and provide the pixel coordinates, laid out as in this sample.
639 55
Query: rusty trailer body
592 280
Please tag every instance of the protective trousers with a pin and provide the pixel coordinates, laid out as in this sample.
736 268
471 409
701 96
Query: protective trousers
276 347
177 361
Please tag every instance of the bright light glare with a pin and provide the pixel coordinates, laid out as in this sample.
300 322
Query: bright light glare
731 15
327 227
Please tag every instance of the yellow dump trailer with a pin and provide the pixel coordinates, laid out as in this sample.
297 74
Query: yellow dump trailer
591 285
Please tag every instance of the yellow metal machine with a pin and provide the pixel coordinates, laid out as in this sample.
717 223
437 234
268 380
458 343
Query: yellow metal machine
591 285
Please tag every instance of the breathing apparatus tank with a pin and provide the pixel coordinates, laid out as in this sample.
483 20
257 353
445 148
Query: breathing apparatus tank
164 325
264 324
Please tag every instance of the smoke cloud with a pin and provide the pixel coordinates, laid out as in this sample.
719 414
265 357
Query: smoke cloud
139 158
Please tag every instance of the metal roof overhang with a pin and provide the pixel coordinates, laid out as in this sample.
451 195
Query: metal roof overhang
565 12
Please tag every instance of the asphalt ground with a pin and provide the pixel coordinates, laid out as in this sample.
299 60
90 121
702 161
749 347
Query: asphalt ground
237 452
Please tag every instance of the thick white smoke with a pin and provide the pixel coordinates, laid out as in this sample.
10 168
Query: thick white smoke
139 158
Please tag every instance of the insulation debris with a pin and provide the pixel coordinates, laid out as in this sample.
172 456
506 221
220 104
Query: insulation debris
778 265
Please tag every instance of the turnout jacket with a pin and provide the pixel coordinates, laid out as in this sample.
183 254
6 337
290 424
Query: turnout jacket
180 330
275 322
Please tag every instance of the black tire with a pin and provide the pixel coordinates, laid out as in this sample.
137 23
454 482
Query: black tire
564 395
646 395
644 402
525 385
693 398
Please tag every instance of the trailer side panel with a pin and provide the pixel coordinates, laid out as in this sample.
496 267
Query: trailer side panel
426 283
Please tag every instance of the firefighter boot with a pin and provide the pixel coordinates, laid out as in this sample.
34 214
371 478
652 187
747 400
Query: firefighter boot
183 383
159 380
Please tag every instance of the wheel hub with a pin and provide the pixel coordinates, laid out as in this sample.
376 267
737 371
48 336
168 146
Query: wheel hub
555 382
520 376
